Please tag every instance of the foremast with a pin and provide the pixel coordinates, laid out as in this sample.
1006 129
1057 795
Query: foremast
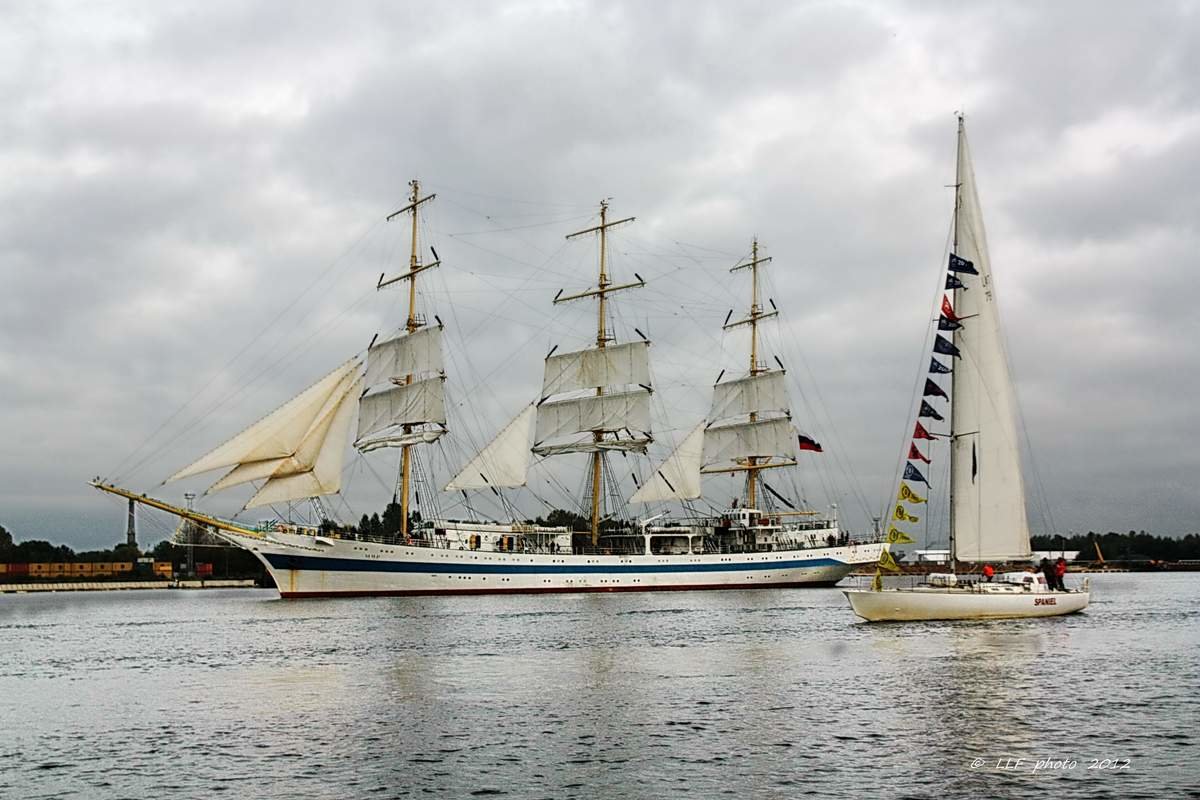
413 323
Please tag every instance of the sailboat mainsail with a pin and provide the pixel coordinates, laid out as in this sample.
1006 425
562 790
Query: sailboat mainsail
989 520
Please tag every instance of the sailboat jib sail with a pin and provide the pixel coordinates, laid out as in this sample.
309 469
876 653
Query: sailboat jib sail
677 478
989 521
504 462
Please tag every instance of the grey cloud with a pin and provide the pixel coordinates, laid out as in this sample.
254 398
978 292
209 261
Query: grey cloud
175 176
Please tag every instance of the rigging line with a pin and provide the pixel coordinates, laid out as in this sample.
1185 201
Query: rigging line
292 354
557 221
117 469
542 269
922 371
546 204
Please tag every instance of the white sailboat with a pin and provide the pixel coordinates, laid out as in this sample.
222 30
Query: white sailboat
987 494
595 402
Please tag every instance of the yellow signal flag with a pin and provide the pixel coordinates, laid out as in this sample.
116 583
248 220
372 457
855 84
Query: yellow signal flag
887 562
897 536
902 515
908 495
877 583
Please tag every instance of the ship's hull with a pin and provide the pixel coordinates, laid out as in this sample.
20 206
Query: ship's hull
938 603
307 566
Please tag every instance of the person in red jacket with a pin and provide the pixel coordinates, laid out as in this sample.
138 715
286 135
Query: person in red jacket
1060 572
988 572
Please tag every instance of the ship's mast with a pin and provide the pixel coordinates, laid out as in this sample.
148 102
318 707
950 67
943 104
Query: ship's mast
414 321
603 288
757 314
954 334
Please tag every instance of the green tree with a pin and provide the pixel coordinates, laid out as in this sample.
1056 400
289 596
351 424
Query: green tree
393 515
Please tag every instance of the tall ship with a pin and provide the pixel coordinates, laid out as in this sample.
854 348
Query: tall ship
594 404
986 487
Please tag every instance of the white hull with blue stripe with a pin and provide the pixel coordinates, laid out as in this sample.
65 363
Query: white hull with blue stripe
307 565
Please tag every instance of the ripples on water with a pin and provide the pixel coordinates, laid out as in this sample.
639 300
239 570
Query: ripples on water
768 693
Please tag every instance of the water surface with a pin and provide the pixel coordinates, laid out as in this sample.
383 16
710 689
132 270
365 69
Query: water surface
763 693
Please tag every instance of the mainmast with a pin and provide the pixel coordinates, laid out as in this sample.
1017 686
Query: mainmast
603 288
954 334
413 323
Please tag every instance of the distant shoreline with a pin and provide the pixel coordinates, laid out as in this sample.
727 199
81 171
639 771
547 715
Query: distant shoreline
118 586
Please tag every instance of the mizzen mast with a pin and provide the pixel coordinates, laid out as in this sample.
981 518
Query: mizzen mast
752 464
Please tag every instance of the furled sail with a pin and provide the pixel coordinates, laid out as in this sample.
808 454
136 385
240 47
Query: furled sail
677 478
606 412
400 439
772 437
753 394
634 444
615 365
279 435
504 462
409 354
988 507
407 404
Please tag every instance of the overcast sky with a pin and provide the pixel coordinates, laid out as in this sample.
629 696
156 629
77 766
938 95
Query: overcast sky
193 198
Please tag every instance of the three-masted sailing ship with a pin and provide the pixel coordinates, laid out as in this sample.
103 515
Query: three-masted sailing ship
988 521
593 402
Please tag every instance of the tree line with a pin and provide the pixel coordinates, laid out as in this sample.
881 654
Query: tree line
1131 546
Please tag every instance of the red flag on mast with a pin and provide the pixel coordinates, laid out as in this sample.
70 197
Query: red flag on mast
914 453
920 433
948 309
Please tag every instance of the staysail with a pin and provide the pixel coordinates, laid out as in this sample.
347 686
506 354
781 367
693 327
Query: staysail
504 462
298 449
677 478
988 505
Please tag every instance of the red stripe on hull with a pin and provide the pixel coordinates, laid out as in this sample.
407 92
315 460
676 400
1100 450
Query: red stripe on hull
540 590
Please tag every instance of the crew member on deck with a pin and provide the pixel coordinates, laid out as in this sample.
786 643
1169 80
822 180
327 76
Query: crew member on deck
1060 572
1048 572
988 573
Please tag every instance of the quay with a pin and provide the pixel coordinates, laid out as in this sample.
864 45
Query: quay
109 586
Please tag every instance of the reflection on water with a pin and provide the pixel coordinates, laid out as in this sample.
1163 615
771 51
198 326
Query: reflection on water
754 694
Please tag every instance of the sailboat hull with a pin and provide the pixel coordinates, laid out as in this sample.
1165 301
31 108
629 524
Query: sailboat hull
308 566
945 603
